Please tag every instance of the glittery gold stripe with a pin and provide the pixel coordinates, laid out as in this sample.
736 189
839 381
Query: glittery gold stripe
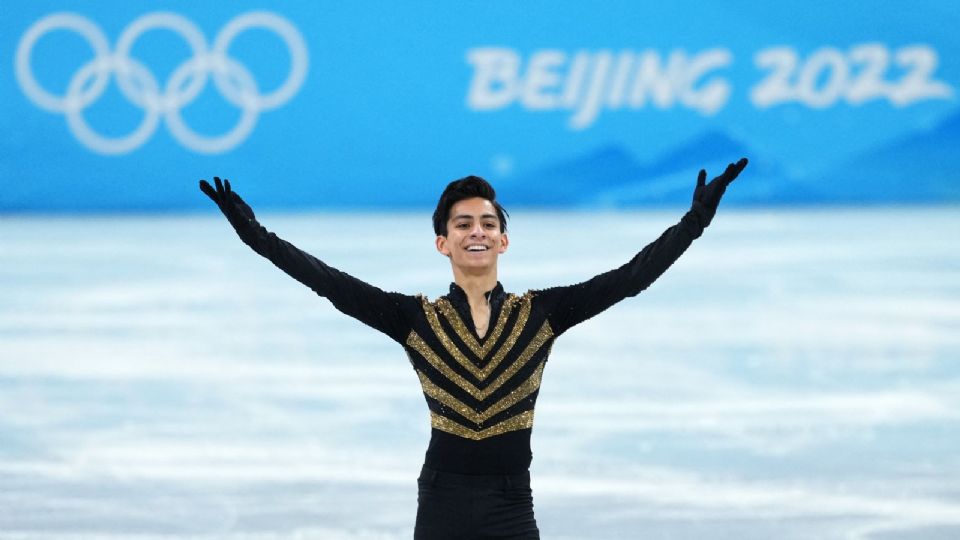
415 342
450 313
523 420
543 335
444 397
455 352
515 396
511 339
448 343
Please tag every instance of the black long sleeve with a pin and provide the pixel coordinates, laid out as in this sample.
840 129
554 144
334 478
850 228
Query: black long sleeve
569 305
387 312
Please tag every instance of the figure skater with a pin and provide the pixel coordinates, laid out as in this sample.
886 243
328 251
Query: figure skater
478 351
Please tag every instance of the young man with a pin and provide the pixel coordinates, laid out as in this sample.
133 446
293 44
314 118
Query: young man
478 351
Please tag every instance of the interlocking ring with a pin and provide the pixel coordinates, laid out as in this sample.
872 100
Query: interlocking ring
139 85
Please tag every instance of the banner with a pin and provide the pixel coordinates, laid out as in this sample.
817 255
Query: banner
120 106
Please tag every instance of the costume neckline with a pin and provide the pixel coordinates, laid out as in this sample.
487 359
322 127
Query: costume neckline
459 295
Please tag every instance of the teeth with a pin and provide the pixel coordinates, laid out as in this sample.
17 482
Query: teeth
477 248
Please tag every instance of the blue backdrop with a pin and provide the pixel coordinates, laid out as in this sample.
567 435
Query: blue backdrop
113 105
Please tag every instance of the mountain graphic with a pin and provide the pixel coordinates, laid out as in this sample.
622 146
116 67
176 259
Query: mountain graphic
611 177
923 167
568 182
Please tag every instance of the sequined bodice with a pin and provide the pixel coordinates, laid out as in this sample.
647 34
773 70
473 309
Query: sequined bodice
478 389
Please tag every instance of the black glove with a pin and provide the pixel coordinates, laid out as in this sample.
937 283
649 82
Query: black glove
238 213
706 197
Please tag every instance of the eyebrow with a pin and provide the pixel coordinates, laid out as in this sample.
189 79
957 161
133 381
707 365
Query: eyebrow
468 216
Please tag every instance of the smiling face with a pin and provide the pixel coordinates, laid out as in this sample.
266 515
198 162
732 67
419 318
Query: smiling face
473 241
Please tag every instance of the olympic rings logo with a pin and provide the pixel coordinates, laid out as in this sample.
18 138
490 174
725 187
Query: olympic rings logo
138 84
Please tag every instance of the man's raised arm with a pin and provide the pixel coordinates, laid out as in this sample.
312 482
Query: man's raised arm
570 305
381 310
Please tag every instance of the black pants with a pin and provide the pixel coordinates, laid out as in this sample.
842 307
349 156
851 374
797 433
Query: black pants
466 507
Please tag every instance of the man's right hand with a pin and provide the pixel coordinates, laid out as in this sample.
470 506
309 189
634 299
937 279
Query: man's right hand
233 207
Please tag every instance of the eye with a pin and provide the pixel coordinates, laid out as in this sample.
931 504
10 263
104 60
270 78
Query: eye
462 225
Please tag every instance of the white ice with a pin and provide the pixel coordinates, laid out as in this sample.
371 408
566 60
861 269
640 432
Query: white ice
795 375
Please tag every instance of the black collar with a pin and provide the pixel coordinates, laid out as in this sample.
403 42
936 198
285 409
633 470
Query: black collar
458 296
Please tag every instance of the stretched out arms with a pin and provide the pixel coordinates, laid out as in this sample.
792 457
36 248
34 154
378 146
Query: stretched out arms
381 310
572 304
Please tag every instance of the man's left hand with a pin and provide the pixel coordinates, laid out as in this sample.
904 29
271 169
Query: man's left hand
706 196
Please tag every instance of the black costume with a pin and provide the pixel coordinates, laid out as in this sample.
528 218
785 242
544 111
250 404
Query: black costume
481 391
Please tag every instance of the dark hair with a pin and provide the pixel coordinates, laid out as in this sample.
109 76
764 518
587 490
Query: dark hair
467 187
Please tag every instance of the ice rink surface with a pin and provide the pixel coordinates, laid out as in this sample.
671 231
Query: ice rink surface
795 375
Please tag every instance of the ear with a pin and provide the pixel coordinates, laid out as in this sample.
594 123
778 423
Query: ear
504 243
441 243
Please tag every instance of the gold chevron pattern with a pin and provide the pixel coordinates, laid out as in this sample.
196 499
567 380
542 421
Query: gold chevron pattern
523 420
461 329
481 387
528 387
417 343
445 307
